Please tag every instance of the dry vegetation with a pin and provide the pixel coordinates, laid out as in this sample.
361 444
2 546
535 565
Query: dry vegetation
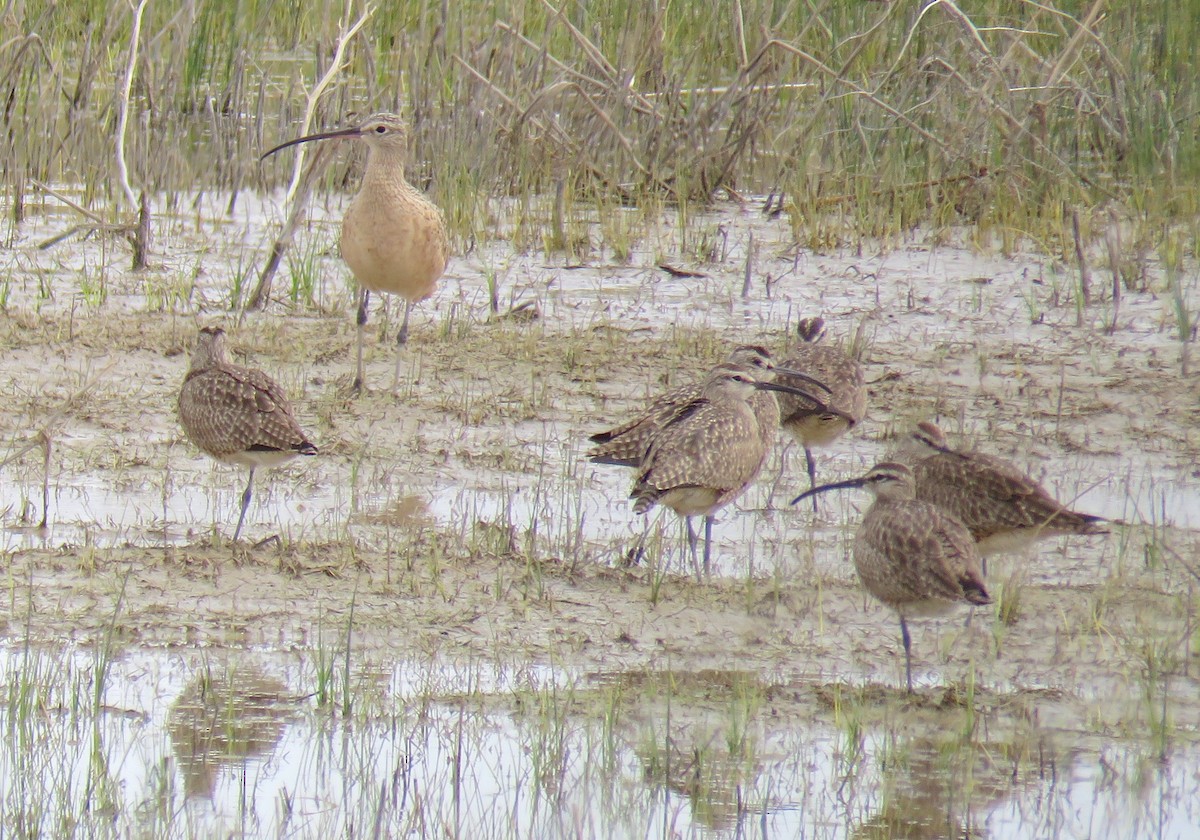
860 119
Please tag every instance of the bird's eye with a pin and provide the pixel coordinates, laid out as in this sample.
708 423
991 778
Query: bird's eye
381 129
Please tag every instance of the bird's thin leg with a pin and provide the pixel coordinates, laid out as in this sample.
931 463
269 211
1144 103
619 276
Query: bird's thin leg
402 336
363 297
812 474
245 504
783 453
692 541
401 340
708 525
634 556
907 653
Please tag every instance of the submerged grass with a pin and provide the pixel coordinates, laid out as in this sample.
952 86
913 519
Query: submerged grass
515 756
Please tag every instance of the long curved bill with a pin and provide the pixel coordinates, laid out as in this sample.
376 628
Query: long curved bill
804 377
324 135
924 440
837 485
788 389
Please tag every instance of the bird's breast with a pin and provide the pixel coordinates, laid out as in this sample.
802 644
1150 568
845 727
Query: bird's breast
396 246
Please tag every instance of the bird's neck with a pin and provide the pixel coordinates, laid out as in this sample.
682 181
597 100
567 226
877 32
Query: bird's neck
893 495
204 359
384 167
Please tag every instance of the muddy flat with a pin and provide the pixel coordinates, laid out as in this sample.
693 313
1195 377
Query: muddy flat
452 549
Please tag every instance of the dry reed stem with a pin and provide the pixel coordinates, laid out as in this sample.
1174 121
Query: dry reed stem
311 99
312 173
1085 273
304 178
1112 238
861 92
122 103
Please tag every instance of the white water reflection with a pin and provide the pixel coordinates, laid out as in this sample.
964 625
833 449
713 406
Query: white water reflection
236 744
570 508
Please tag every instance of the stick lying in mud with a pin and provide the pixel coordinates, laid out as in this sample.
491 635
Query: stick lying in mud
44 437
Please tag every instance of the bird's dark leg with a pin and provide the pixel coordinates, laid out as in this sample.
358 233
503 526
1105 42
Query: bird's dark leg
692 542
907 653
401 340
402 336
245 505
363 297
812 474
708 526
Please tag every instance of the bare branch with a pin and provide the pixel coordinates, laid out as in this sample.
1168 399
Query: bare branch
123 105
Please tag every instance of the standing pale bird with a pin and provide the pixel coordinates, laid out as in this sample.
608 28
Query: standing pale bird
393 238
912 555
237 415
624 445
707 452
820 425
1003 508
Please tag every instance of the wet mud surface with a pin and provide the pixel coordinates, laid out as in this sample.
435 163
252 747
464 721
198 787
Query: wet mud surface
454 519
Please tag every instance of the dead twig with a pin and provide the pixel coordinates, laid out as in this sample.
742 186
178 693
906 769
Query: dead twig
98 224
1085 273
311 174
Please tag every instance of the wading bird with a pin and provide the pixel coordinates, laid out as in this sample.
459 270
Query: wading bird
707 453
820 425
913 556
393 238
626 444
1004 509
237 415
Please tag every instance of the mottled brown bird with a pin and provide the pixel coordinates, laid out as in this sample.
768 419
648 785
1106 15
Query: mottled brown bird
237 415
820 425
393 238
626 444
912 555
1003 508
706 453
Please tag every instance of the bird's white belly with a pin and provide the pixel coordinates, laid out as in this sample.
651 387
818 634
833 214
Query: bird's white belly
256 459
691 501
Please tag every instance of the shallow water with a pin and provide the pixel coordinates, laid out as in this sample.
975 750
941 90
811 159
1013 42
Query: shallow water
204 744
215 735
892 291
